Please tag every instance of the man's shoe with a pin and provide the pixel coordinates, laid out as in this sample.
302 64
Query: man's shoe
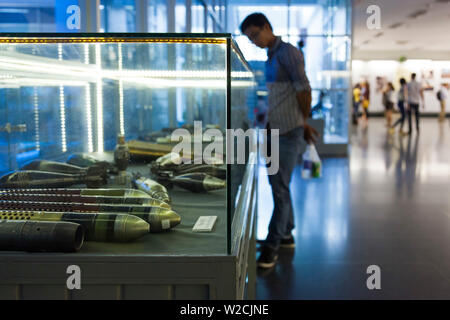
288 243
268 258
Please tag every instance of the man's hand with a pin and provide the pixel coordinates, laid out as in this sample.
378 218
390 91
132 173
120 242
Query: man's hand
309 133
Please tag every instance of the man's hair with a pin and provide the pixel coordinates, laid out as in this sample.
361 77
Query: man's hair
413 75
402 81
255 19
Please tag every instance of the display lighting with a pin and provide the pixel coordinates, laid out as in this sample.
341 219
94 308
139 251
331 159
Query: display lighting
36 118
62 108
99 84
62 115
121 114
88 105
111 40
39 82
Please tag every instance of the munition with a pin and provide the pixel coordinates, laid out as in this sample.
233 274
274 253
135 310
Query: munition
52 166
152 188
121 153
82 199
85 160
39 179
35 236
198 182
211 170
150 151
97 226
159 218
168 160
132 193
147 150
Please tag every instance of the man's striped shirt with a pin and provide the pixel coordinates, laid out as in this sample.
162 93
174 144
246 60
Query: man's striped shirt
285 76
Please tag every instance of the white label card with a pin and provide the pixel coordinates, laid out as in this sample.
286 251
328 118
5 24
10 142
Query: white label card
204 224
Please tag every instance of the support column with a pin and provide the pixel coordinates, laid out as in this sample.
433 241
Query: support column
142 16
90 15
188 16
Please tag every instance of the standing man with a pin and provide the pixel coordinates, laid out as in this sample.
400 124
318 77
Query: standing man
289 102
442 96
415 93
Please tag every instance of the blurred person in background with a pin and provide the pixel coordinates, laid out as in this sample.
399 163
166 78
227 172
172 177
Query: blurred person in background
388 102
415 95
402 101
442 96
356 103
365 92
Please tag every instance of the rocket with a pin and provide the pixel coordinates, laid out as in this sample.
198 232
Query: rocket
97 226
40 236
127 193
160 219
82 199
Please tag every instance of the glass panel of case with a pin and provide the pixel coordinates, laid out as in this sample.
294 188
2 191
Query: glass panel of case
62 95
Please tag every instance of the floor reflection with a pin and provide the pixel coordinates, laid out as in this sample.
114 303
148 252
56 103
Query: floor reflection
387 204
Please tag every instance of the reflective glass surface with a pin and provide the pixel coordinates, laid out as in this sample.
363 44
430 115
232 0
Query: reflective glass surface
325 30
61 95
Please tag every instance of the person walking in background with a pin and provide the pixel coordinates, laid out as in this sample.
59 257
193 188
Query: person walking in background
402 100
442 96
289 100
356 102
388 102
415 94
365 92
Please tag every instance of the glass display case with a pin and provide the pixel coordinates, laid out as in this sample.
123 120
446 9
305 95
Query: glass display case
64 94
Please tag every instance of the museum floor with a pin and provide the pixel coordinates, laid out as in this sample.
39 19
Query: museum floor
387 205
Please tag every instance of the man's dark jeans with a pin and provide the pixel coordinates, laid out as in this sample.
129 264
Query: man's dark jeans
413 107
282 221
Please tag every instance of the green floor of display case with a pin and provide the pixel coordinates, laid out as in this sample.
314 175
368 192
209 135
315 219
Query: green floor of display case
179 240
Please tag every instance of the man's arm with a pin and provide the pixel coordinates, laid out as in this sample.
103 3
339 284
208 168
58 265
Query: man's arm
304 102
293 61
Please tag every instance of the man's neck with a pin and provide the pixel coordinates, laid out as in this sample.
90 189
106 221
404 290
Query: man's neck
272 42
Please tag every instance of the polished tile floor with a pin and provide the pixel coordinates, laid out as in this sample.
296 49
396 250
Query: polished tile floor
388 205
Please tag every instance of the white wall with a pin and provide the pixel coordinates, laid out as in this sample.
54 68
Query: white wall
393 71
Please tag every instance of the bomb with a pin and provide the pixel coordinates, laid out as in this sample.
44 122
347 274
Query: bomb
94 177
198 182
97 226
152 188
40 236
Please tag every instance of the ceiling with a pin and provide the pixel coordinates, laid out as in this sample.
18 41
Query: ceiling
416 29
